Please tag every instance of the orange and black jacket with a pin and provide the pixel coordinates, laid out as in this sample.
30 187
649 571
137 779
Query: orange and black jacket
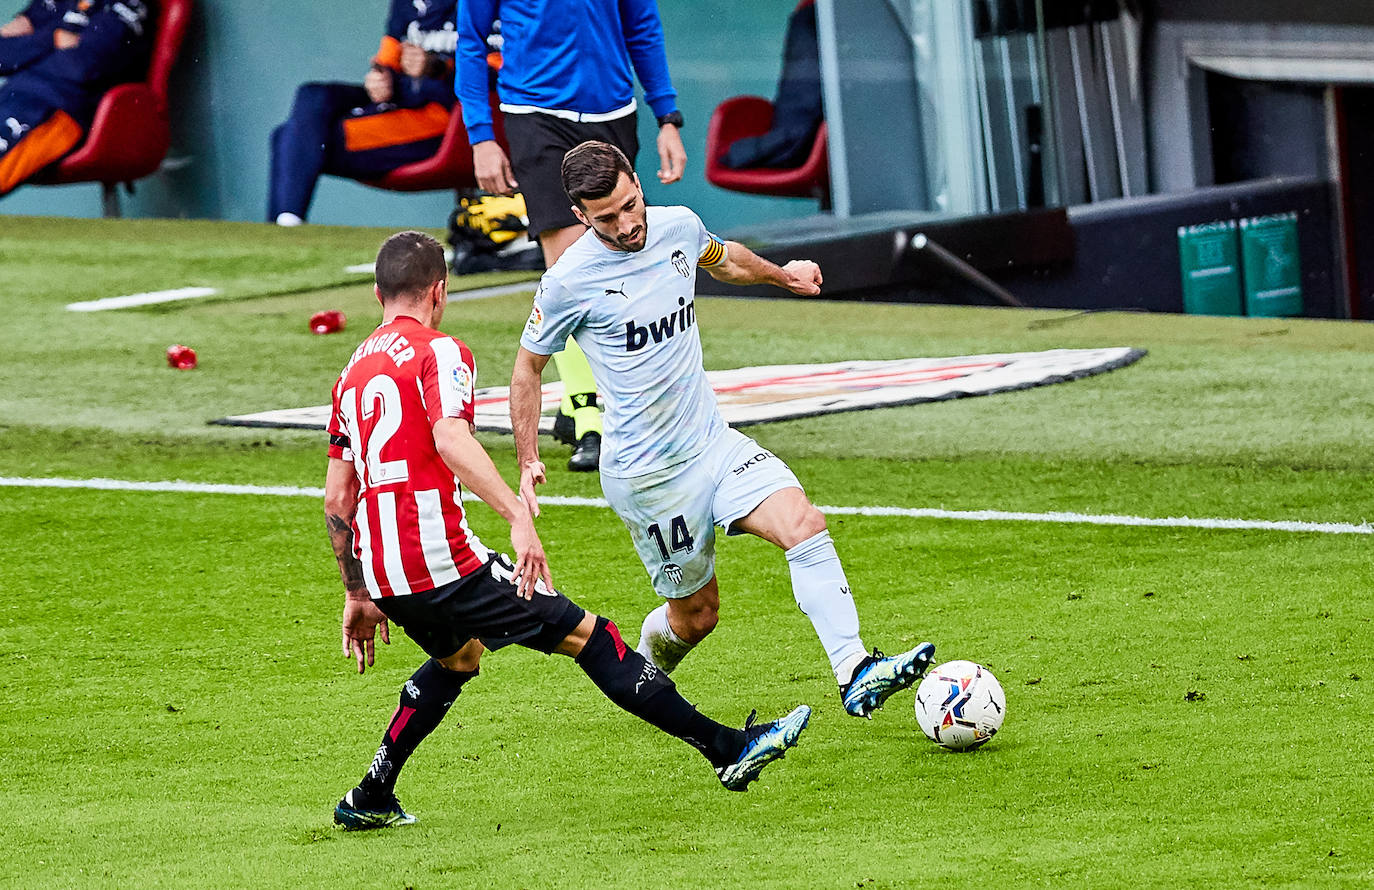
428 24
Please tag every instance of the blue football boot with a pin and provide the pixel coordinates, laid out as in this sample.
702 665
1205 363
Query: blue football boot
878 676
365 816
762 745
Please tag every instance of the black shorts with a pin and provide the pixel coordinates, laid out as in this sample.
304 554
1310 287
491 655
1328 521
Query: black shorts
537 145
485 606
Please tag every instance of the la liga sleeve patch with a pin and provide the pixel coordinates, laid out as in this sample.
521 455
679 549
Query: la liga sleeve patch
535 325
462 383
456 378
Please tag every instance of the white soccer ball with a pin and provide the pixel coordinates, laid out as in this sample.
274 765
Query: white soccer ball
960 705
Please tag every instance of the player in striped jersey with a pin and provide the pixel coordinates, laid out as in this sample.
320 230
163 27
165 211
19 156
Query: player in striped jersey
400 441
670 466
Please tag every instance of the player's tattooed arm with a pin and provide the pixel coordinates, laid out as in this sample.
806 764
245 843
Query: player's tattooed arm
362 621
351 570
340 504
742 266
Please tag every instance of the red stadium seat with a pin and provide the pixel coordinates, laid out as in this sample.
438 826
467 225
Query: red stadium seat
131 131
742 116
451 165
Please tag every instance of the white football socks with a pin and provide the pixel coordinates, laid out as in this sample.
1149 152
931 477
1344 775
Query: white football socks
822 592
658 643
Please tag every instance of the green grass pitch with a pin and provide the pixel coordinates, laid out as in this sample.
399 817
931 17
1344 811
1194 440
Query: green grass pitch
1185 707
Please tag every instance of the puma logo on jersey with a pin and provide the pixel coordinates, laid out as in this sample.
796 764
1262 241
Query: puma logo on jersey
610 291
637 336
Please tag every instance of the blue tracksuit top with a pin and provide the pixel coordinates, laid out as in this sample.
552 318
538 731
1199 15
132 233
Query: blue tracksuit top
570 55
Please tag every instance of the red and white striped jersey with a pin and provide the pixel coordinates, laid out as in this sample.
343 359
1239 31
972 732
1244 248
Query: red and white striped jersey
409 531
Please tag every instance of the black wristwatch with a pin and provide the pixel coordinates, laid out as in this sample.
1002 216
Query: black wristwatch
672 117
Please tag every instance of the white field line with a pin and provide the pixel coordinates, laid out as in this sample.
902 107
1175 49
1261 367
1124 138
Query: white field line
144 299
1326 528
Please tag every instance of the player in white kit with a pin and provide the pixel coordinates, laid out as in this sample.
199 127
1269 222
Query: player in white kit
670 466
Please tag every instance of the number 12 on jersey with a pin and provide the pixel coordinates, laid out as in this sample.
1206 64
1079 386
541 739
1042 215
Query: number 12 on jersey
381 399
680 538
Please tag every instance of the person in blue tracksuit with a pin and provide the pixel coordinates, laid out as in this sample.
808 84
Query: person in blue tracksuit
59 57
396 117
567 76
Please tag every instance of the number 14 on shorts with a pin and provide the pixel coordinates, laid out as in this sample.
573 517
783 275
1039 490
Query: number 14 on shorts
678 536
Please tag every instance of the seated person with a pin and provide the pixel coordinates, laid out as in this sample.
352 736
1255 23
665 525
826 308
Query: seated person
398 115
60 57
797 110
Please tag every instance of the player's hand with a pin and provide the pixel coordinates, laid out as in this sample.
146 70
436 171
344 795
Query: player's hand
19 26
492 167
803 277
413 60
378 86
65 39
531 474
531 564
672 157
361 620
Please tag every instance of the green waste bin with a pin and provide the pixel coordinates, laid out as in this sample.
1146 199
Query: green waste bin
1211 274
1273 273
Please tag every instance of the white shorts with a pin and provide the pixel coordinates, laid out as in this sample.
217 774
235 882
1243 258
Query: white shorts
672 513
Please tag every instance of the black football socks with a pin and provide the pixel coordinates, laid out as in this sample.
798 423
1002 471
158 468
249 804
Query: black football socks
425 699
639 687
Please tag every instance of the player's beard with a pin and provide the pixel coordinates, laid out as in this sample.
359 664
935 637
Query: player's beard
631 243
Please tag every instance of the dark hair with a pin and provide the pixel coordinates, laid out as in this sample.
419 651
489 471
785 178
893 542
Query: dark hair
407 264
592 170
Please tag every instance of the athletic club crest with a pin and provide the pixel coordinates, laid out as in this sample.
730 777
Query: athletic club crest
680 263
673 571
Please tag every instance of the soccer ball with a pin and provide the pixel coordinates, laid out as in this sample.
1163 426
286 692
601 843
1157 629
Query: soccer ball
960 705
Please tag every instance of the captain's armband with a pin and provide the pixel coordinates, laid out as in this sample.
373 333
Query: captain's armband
714 254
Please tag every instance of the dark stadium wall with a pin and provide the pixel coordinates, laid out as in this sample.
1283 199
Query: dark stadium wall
243 60
1291 11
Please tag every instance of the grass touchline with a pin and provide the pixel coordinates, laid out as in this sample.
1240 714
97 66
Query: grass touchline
1061 517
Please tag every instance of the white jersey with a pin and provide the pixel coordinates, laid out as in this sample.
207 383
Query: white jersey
634 315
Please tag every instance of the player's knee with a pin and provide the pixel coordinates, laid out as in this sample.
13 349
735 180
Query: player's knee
696 623
808 523
463 663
